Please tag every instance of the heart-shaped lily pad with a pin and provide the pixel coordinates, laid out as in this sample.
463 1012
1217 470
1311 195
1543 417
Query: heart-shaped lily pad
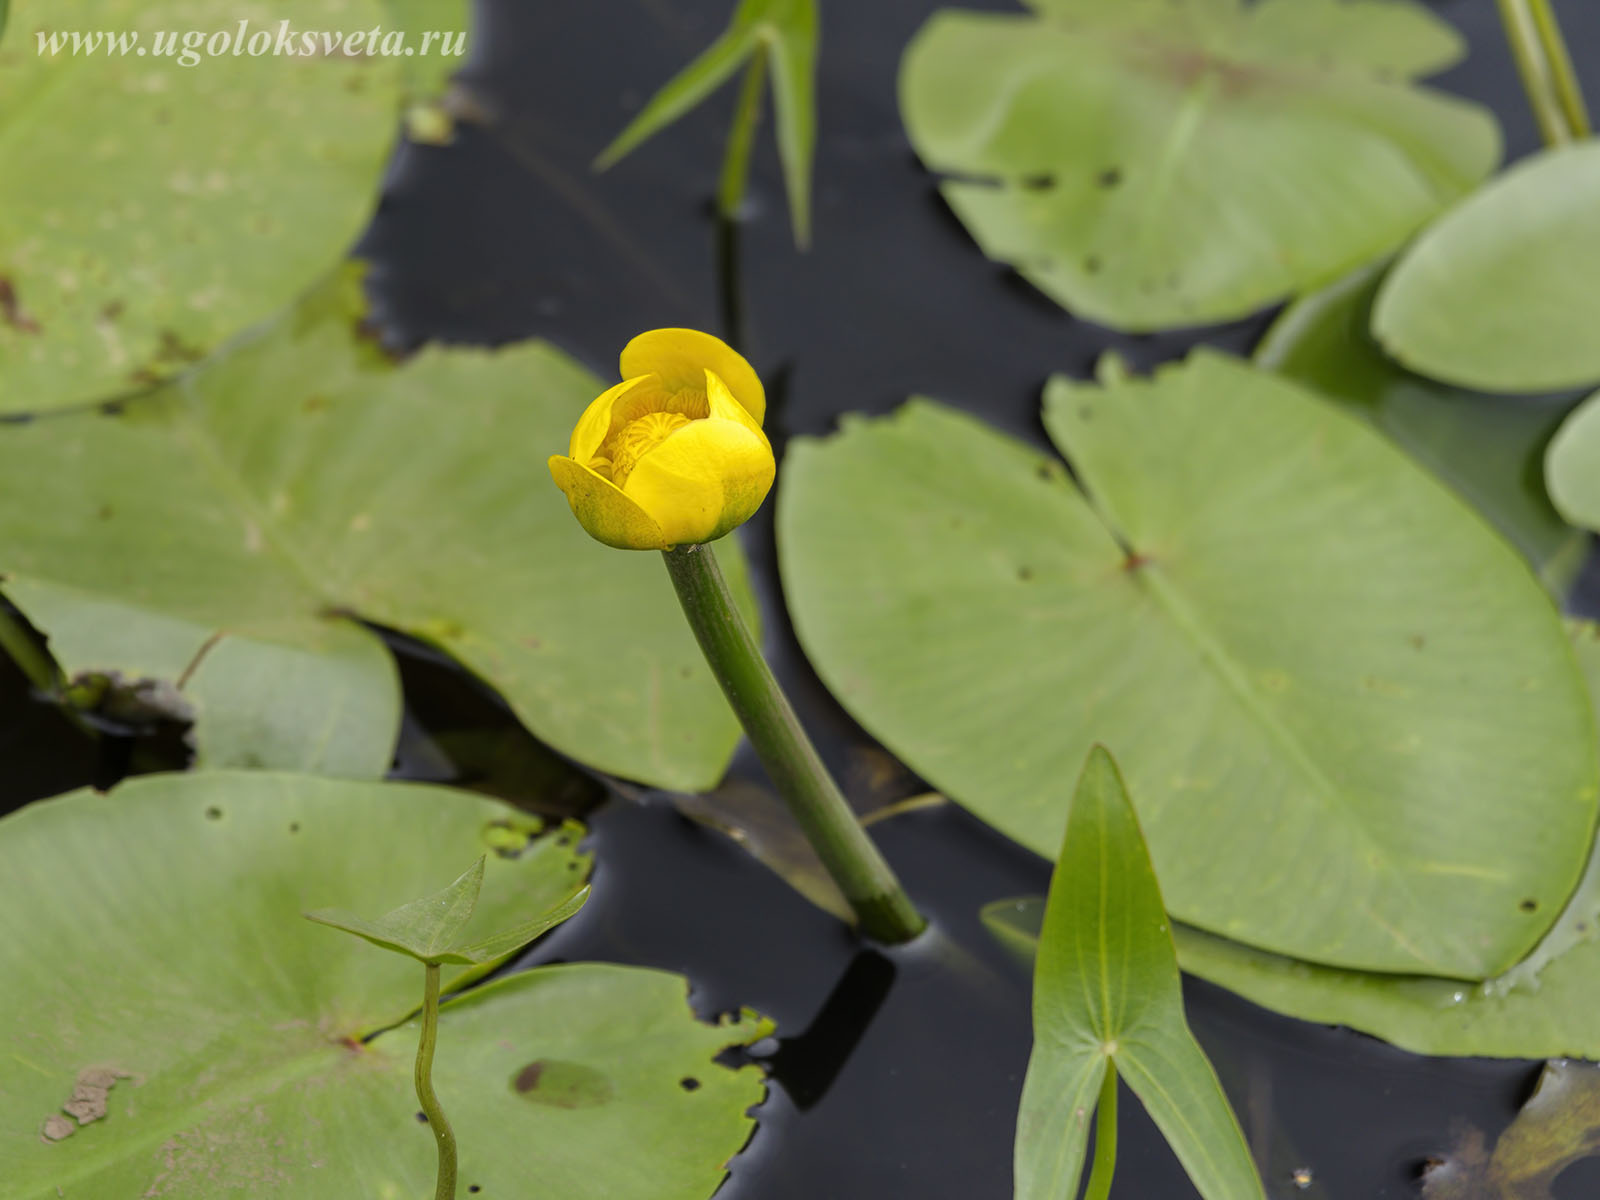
1150 163
218 534
1306 653
155 198
157 976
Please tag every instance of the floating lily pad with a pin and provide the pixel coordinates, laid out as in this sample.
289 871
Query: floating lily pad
1542 1008
1108 1003
1490 449
1572 468
153 948
1149 164
1500 294
220 534
205 196
1304 651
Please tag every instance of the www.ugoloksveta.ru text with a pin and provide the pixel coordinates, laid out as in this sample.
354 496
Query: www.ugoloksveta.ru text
189 48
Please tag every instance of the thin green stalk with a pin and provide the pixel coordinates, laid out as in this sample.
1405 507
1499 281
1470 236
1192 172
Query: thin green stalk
742 136
1538 77
820 809
16 643
442 1133
1563 77
1105 1139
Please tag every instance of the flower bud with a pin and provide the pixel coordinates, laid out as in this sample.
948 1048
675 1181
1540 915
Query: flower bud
675 453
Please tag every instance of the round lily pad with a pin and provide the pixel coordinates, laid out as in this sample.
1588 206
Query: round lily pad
206 190
162 988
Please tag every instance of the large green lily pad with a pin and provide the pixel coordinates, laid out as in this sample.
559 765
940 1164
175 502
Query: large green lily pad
152 942
1572 467
1489 448
1500 294
1173 162
218 534
149 208
1306 653
1542 1008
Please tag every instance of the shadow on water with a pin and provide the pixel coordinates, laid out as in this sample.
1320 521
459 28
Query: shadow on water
896 1073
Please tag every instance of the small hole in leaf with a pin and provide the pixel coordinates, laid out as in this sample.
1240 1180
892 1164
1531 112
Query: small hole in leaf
213 813
1529 905
1039 183
689 1083
474 1189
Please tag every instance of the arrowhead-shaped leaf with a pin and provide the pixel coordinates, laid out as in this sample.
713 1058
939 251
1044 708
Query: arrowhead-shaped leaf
787 30
1107 996
426 928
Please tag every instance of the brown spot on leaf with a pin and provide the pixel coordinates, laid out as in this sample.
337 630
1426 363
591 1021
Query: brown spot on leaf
11 311
562 1084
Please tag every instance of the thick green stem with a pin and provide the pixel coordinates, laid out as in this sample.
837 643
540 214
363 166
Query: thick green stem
742 136
35 664
1563 77
820 809
442 1133
1105 1139
1533 64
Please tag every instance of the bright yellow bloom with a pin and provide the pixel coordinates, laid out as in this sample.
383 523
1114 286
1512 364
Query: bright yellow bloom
674 454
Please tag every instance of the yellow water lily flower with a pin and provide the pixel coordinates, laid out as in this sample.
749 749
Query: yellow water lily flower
674 454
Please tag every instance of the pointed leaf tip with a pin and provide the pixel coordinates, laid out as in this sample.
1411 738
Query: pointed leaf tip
424 929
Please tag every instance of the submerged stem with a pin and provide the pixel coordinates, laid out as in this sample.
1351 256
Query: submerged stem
742 136
1529 48
1563 76
442 1133
20 647
1105 1139
820 809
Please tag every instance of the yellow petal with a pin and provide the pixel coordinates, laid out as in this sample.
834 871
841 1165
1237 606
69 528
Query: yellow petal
682 356
595 424
604 512
704 480
720 403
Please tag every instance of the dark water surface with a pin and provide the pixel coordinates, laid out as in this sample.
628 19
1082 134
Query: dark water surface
897 1073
